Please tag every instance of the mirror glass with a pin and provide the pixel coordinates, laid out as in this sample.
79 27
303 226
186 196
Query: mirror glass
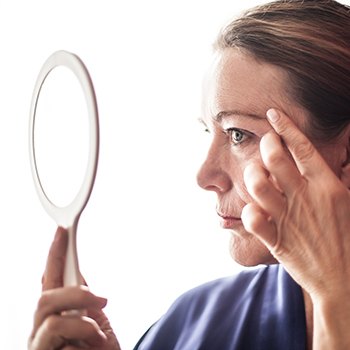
61 136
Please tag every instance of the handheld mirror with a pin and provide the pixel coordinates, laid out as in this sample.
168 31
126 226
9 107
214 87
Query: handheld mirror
66 215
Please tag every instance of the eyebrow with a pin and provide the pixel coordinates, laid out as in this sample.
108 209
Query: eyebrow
223 114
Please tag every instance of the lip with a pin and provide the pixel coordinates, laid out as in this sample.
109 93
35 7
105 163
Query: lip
229 222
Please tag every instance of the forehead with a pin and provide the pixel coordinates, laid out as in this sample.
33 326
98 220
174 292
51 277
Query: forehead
238 82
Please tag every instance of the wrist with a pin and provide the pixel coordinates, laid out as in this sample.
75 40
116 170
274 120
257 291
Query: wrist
331 315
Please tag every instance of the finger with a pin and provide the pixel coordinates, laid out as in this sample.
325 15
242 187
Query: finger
259 224
64 331
305 155
56 301
279 163
99 316
53 275
262 190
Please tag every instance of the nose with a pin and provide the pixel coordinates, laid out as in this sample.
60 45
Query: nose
213 175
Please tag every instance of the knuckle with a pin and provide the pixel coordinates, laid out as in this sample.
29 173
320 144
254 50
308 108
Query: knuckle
51 323
83 293
82 296
259 187
43 301
274 158
283 128
90 325
303 150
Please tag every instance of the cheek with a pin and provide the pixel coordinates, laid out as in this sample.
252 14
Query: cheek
239 163
241 190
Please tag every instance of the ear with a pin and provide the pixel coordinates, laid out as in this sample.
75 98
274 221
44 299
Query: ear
345 169
345 175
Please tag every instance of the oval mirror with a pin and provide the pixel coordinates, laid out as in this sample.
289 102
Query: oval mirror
64 145
61 136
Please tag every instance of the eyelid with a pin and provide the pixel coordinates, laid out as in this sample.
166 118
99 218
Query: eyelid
245 133
228 130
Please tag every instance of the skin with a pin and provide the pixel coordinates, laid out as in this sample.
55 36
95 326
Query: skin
237 82
55 329
275 189
269 195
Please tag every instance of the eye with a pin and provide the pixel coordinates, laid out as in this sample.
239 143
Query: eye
237 135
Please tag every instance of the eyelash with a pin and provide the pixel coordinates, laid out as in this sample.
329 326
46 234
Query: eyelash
229 132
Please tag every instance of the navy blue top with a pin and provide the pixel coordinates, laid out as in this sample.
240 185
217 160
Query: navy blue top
258 309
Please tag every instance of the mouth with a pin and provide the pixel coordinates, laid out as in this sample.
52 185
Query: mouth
229 222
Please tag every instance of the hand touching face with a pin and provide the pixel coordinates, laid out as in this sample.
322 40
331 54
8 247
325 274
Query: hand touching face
239 92
302 215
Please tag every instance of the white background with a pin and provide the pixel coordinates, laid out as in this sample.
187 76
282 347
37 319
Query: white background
148 233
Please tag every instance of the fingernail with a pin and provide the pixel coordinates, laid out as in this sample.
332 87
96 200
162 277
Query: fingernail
272 115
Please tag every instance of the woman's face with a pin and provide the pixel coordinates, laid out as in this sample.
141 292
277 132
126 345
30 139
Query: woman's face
237 94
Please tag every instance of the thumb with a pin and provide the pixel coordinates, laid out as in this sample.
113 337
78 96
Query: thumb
53 275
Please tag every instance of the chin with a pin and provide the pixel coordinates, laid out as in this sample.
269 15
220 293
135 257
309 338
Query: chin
249 251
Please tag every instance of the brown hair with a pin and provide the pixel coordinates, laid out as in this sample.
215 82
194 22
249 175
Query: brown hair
310 39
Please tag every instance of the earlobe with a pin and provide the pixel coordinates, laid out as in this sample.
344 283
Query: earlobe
345 175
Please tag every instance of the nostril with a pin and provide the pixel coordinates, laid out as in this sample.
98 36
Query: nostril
217 181
213 188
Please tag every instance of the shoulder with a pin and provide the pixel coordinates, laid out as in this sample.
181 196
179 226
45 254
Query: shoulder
233 288
228 310
253 277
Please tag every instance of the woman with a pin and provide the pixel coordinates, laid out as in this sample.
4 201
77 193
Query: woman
277 107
